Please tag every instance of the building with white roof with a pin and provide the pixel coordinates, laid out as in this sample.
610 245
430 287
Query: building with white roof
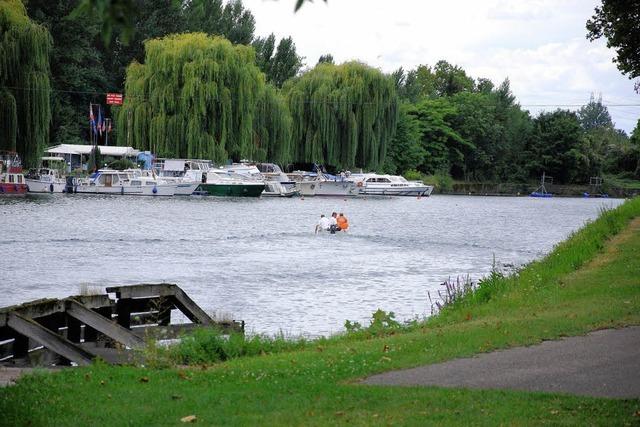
76 156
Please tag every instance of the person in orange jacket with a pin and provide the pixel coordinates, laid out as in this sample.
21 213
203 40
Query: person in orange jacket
343 222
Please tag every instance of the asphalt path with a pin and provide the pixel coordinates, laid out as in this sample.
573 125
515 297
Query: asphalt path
604 363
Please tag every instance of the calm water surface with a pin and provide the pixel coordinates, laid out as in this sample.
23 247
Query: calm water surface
259 260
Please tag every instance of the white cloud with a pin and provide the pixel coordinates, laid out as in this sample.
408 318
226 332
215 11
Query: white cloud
539 44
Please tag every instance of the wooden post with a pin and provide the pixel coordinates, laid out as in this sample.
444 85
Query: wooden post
192 310
74 329
123 309
49 339
164 311
104 325
20 346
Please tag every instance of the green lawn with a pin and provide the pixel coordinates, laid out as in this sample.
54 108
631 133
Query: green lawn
589 282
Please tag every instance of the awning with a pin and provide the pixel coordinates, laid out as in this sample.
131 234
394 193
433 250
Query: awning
105 150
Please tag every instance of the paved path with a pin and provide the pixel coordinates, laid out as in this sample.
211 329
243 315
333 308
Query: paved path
604 363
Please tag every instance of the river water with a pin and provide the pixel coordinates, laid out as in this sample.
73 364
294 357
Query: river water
259 260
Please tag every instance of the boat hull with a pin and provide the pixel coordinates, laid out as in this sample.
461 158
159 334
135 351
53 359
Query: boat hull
10 189
327 188
186 189
160 190
36 186
231 190
397 191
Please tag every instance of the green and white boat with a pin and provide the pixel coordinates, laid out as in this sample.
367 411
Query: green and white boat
221 183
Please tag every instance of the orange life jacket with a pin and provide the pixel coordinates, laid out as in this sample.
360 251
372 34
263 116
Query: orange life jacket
342 222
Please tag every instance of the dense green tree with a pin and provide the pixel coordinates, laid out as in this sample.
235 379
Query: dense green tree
25 111
443 146
78 77
556 146
475 121
484 85
197 96
343 115
278 65
95 159
265 48
326 58
623 157
230 20
405 151
594 115
417 84
154 18
619 22
450 79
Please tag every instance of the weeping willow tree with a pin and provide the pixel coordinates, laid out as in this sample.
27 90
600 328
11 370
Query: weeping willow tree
198 96
343 115
25 111
273 127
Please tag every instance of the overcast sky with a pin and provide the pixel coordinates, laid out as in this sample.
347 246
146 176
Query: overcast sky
539 45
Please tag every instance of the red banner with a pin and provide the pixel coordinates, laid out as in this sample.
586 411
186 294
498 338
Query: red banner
114 98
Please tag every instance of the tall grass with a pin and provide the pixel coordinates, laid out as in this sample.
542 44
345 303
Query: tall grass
210 345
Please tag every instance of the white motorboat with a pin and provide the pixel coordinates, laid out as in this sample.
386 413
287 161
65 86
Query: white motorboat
320 185
186 174
45 180
374 184
277 183
131 182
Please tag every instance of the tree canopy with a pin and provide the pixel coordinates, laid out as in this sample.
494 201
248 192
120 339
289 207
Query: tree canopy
619 22
344 115
196 96
278 65
24 83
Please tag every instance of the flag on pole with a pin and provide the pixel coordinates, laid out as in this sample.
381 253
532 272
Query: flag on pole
100 120
92 119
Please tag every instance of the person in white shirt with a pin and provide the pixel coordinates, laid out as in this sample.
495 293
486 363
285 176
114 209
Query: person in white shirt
323 224
333 223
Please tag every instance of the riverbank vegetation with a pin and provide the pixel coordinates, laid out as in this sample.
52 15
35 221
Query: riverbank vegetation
257 99
24 82
586 283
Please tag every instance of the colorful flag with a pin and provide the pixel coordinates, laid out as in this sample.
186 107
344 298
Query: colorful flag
100 120
92 120
109 128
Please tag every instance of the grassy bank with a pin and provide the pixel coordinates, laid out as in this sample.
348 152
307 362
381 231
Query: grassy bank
588 282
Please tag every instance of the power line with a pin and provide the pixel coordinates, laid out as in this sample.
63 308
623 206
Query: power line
576 105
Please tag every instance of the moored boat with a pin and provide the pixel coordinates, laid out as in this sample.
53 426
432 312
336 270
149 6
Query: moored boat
12 181
276 182
221 183
186 174
47 179
374 184
323 184
109 181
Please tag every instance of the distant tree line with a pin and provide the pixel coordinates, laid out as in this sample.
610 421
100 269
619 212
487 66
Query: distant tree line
199 83
472 130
